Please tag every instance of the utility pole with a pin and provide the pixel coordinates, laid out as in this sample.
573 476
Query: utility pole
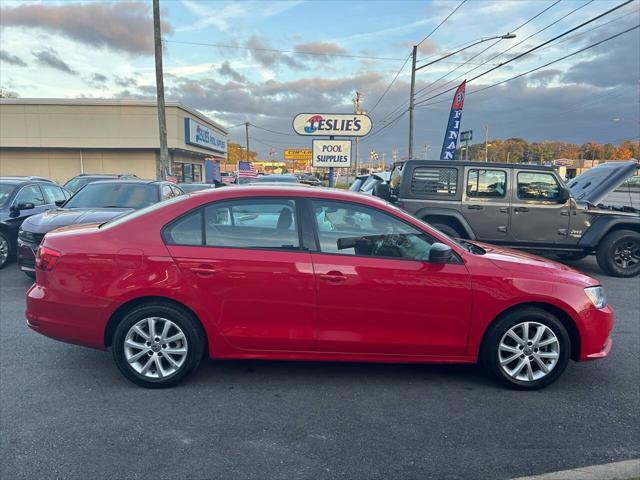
412 95
426 151
162 120
384 165
246 127
357 110
486 143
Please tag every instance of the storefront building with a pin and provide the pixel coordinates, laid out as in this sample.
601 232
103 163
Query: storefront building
61 138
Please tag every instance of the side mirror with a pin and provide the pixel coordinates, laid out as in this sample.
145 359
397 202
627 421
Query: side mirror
25 206
440 253
347 242
382 191
59 203
565 194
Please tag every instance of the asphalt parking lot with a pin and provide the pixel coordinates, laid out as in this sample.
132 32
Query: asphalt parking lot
66 412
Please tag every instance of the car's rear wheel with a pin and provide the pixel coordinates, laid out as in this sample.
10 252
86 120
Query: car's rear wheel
5 250
527 349
619 253
156 346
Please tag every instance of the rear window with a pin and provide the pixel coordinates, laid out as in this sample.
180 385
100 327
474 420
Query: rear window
434 181
114 195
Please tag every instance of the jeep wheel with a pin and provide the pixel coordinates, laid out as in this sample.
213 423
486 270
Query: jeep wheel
447 230
5 250
619 253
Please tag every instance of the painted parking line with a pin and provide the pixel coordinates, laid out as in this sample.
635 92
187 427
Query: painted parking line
628 469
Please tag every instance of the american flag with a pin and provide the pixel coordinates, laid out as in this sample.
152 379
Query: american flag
246 170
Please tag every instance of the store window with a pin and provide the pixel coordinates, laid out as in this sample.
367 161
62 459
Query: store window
188 172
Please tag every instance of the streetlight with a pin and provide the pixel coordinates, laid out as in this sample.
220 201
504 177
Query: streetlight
414 69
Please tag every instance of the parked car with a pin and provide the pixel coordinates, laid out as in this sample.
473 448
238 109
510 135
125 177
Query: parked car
284 178
524 206
309 179
228 177
79 181
96 202
301 273
367 183
20 198
194 187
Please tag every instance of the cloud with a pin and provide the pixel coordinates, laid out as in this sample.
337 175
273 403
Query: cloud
125 82
226 70
264 55
97 80
119 26
50 58
321 48
221 18
12 59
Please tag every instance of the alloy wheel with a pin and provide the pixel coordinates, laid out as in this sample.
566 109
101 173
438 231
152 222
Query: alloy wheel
4 250
155 347
528 351
627 253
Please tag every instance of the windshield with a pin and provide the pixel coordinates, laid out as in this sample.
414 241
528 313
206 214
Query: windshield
76 184
355 186
114 195
5 192
370 183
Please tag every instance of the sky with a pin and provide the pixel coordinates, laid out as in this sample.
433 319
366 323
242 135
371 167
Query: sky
265 61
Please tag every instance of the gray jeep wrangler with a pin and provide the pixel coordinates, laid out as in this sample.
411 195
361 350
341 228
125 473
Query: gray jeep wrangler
527 207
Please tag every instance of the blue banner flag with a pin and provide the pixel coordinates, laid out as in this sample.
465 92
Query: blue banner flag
453 127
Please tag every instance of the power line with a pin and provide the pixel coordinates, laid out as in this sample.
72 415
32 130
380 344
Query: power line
405 103
504 51
294 52
273 131
391 84
531 50
546 64
442 22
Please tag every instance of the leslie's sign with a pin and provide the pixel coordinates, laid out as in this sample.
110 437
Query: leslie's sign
331 124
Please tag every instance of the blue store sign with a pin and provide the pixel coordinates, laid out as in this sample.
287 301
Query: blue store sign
202 136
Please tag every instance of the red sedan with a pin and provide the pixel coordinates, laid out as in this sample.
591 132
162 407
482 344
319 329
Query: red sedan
299 273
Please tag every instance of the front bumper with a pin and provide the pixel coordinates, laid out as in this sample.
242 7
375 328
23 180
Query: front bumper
27 256
595 334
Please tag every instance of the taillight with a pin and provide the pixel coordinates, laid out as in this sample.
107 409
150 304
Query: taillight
46 258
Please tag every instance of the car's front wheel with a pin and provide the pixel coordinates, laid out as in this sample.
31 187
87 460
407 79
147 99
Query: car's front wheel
527 349
156 346
5 249
619 253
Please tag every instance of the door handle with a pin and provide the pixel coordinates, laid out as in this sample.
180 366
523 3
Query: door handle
504 210
203 270
333 277
520 209
475 207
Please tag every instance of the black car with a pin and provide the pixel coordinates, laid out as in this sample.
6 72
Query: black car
309 179
79 181
20 198
96 202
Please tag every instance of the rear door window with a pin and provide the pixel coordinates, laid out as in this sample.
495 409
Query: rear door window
434 181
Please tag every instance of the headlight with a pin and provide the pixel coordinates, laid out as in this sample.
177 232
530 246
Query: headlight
26 236
596 295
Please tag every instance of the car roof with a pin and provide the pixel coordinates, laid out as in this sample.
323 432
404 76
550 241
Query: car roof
454 163
289 189
137 181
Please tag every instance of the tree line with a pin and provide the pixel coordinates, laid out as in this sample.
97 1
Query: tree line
519 150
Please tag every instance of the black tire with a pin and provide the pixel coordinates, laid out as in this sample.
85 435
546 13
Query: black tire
489 356
5 243
177 315
618 254
447 229
574 256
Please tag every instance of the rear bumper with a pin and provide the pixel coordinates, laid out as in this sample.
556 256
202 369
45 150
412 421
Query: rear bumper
63 319
596 341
